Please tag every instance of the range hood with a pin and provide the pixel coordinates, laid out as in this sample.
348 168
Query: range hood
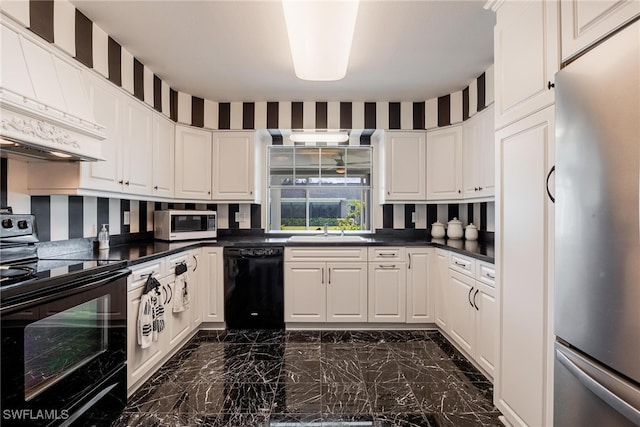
44 107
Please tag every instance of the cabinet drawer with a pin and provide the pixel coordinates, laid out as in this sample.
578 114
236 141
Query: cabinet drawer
179 258
387 254
486 273
140 273
325 254
462 264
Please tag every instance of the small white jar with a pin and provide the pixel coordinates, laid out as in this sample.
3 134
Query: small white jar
437 230
454 229
471 232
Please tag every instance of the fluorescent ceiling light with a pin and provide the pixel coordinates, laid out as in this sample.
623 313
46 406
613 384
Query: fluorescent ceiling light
319 137
320 36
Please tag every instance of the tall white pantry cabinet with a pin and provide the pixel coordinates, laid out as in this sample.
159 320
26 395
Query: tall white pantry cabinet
526 43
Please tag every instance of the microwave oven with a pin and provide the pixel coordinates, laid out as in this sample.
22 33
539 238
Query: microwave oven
173 225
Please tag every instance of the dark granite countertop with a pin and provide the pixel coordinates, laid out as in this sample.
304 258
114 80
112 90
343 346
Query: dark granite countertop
140 251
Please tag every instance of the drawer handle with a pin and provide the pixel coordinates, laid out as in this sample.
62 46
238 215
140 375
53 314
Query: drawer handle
387 255
387 267
490 276
460 264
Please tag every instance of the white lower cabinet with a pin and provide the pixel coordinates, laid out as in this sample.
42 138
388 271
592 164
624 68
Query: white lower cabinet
325 285
212 284
439 279
472 309
387 292
419 294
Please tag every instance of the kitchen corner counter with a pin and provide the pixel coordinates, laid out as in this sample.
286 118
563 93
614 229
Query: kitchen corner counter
143 251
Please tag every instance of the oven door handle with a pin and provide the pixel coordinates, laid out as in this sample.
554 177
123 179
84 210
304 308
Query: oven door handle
80 285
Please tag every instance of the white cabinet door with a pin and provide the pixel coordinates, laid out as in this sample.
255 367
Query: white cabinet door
163 156
107 107
346 292
440 282
234 166
140 360
178 324
138 147
195 288
584 22
462 314
387 292
305 293
525 214
444 164
419 294
486 153
212 285
405 166
526 50
478 155
486 327
193 163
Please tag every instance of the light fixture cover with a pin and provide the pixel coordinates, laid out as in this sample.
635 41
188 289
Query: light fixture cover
319 137
320 36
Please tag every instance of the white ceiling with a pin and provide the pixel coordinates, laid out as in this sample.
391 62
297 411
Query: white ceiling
238 50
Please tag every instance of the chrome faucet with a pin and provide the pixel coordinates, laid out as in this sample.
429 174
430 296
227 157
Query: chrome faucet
342 230
326 229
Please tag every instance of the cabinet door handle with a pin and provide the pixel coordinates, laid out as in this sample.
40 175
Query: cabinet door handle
459 191
552 170
409 266
155 187
120 182
490 276
550 85
126 183
329 276
323 276
387 267
469 296
474 299
479 188
195 267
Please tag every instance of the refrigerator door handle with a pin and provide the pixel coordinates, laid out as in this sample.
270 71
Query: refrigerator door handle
601 384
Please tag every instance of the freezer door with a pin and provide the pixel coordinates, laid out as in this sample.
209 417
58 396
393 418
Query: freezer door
588 395
597 247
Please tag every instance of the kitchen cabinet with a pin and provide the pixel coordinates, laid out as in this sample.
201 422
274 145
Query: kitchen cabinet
526 50
439 281
137 144
444 164
325 285
236 167
473 312
181 323
404 166
163 156
387 285
478 159
525 270
196 289
212 284
193 161
585 22
419 294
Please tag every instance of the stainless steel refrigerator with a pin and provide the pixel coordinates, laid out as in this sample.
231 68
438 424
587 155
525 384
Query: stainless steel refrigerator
597 246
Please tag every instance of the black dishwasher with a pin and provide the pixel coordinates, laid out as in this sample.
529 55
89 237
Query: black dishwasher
254 287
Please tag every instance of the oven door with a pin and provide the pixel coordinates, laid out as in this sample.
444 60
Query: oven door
58 350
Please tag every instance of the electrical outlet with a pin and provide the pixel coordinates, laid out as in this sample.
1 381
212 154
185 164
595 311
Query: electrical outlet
126 220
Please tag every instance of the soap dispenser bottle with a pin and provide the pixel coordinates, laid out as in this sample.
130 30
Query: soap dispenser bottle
103 237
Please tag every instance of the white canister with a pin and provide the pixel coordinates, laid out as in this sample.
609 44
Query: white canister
471 232
454 229
437 230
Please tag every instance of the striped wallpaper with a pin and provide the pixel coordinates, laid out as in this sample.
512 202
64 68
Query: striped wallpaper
63 217
61 24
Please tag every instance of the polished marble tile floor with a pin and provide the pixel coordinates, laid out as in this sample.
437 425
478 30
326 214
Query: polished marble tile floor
311 378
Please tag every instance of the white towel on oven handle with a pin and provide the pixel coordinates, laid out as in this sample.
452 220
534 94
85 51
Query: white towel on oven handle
181 291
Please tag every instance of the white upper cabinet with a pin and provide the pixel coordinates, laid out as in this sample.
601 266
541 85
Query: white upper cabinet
137 147
526 50
405 161
163 156
193 163
234 171
584 22
444 164
478 155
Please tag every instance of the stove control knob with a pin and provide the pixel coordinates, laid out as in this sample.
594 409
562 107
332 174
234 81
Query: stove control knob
7 223
22 224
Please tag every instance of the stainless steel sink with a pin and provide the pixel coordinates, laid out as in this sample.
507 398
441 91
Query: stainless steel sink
331 238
